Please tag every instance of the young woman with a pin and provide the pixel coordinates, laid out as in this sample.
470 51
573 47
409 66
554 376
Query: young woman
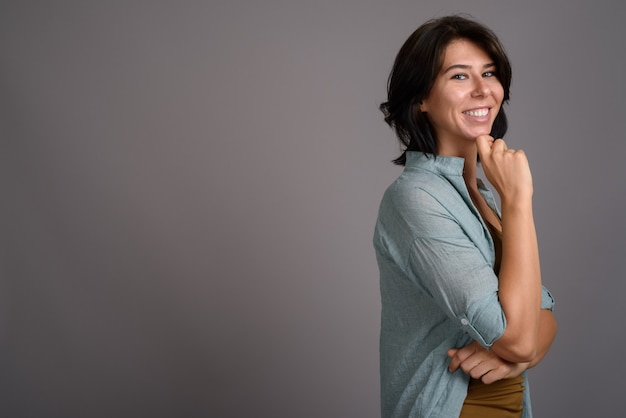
464 312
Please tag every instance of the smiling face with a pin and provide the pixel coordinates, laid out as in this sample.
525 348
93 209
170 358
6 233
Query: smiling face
465 98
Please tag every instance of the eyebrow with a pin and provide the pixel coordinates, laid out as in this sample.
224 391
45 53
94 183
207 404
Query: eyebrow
467 67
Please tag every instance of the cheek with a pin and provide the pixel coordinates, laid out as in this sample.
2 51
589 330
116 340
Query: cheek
450 102
499 93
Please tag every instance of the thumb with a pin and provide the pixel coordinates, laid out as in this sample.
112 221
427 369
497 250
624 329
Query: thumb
483 145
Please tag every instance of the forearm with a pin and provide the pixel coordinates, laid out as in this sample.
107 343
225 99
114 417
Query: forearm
481 363
519 283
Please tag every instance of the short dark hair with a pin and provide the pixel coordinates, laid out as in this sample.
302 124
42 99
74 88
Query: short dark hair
414 72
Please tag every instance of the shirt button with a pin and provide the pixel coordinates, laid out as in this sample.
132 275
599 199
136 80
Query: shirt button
464 321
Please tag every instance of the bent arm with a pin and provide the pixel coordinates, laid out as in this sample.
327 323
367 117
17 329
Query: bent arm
480 363
519 288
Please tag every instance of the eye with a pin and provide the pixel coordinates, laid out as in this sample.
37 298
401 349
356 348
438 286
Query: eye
489 74
459 76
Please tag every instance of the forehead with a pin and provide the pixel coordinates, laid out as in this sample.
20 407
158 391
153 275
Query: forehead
463 51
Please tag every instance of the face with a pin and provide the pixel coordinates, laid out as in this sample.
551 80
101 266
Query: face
465 98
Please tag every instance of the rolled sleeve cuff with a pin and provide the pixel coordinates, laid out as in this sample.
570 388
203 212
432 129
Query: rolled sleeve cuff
484 320
547 301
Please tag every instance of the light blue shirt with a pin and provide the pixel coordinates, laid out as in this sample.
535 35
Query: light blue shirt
438 288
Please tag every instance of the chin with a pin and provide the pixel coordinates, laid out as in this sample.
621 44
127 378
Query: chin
472 137
476 134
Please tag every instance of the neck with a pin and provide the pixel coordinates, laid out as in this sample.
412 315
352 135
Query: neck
469 173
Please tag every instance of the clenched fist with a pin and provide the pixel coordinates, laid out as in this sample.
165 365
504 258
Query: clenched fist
506 169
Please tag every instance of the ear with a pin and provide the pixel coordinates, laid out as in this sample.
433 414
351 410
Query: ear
423 105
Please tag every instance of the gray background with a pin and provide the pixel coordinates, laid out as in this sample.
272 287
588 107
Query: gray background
189 191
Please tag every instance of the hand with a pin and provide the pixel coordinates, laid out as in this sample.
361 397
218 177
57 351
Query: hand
482 364
506 169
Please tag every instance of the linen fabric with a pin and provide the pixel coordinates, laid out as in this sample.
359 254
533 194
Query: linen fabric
438 288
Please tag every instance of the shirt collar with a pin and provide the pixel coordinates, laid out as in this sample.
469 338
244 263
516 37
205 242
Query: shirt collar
447 166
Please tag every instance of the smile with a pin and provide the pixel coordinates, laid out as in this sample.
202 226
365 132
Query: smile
477 113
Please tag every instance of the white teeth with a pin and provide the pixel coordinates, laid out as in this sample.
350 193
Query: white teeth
479 113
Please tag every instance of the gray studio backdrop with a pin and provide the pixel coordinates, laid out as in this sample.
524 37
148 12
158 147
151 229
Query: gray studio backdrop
189 190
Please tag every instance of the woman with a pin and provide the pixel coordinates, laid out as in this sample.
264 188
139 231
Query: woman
464 313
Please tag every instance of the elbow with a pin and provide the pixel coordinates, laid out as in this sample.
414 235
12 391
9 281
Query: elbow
520 351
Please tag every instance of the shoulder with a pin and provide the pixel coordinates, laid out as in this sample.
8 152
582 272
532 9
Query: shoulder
427 182
418 191
419 204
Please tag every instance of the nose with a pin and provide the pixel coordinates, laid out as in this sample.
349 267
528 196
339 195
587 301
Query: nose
481 88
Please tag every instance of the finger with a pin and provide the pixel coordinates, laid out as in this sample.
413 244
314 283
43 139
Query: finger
499 145
454 364
491 376
478 363
481 369
494 375
460 356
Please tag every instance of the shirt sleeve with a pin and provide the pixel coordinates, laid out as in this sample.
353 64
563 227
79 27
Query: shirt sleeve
455 274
